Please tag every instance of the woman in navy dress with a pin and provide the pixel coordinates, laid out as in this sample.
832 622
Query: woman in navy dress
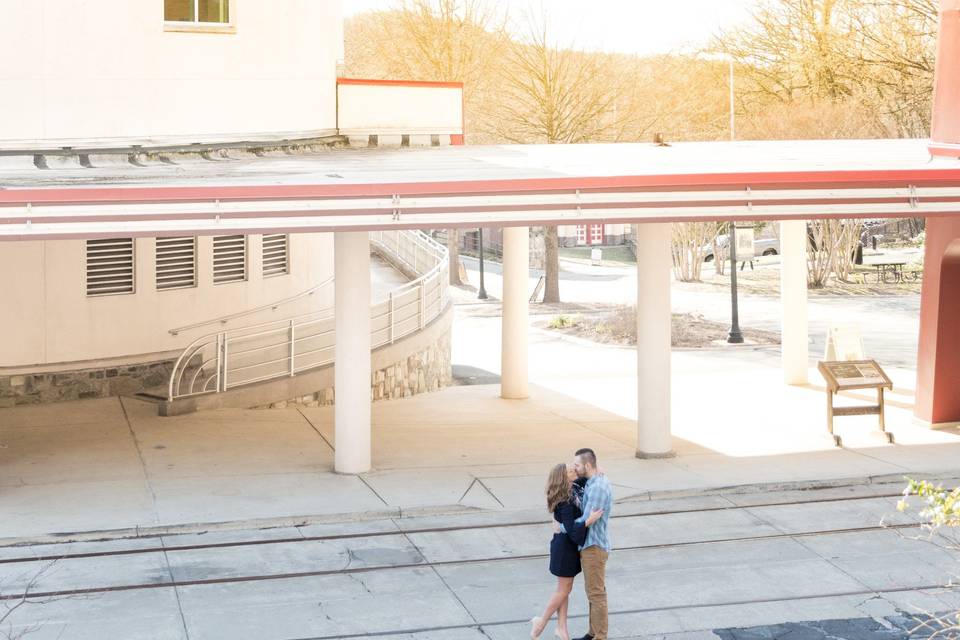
564 492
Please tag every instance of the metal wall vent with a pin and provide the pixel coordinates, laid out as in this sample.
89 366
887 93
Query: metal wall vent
229 259
110 266
176 263
276 254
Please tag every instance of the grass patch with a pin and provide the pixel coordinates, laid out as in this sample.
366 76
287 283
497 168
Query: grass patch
619 326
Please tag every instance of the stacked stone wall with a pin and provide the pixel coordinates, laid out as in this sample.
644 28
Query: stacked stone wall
98 382
429 369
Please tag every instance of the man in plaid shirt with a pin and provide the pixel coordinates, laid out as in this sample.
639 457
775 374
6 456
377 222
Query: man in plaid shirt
596 548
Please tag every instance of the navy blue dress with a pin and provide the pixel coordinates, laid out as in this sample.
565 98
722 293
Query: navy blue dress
564 548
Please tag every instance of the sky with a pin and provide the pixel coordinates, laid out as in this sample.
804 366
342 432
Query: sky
623 26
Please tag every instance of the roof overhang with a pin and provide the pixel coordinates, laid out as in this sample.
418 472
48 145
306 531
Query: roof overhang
797 190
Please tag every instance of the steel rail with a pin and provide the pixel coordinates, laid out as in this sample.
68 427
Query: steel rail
378 534
686 607
440 563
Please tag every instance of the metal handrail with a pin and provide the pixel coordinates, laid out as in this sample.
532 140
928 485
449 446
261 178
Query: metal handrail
249 312
280 348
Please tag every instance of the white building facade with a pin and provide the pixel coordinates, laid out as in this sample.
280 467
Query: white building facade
115 73
115 85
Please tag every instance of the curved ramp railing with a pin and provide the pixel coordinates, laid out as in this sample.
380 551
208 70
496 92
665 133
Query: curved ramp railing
227 359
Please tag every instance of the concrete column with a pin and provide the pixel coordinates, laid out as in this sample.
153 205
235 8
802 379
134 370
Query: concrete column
513 341
352 352
794 335
654 262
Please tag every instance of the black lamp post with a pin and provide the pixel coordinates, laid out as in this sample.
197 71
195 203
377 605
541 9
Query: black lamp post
482 293
735 337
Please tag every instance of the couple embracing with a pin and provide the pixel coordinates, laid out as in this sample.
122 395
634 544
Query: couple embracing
579 497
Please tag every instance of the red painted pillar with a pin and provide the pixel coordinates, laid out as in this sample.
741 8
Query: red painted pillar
945 120
938 356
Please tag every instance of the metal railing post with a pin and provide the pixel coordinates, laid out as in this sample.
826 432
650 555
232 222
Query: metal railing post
292 338
221 361
414 249
422 291
390 297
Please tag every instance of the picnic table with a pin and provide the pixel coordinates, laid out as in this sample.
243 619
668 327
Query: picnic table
893 270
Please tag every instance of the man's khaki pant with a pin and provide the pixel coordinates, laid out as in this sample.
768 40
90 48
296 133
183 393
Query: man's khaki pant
594 563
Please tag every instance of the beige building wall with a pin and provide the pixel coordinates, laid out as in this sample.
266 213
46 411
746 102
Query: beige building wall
50 319
414 108
112 73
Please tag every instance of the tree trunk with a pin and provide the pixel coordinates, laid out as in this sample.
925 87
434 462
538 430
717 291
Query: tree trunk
453 246
551 264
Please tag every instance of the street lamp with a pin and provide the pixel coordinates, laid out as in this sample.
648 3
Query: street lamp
735 337
482 293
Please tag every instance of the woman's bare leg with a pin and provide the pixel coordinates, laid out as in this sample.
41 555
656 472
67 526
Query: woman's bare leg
562 618
557 600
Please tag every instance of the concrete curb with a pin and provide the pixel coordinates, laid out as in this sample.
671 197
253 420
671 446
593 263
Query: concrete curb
449 510
798 485
279 522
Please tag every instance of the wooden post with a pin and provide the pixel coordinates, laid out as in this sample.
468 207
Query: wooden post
883 422
830 411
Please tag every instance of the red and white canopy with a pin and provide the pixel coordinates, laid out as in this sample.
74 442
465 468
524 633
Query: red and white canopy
358 189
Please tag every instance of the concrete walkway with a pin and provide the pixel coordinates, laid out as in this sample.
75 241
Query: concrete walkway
114 464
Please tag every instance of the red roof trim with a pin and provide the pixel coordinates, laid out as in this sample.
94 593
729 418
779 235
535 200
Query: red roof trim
401 83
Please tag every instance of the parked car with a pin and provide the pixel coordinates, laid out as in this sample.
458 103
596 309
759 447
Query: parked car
761 247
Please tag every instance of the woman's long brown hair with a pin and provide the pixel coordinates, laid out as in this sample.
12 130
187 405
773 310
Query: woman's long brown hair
558 486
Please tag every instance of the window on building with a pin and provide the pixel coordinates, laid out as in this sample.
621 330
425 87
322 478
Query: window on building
229 259
201 11
275 254
176 263
109 266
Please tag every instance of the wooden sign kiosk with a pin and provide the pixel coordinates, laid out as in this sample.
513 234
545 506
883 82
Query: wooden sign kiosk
854 374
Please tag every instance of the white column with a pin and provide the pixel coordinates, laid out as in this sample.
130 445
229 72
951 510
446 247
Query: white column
513 341
352 352
654 262
794 335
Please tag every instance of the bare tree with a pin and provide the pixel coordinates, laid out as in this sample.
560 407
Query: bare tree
847 241
824 241
443 40
835 68
689 242
557 95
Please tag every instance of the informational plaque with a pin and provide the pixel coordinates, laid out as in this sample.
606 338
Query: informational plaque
842 375
745 249
854 374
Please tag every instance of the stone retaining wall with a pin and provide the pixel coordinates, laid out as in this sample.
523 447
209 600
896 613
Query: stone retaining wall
428 369
97 382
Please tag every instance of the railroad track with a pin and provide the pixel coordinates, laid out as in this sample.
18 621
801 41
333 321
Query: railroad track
405 533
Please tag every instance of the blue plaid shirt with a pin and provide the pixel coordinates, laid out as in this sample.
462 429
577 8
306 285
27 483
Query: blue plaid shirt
597 495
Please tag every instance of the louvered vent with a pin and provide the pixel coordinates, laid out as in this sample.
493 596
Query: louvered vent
109 266
176 263
275 261
229 259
